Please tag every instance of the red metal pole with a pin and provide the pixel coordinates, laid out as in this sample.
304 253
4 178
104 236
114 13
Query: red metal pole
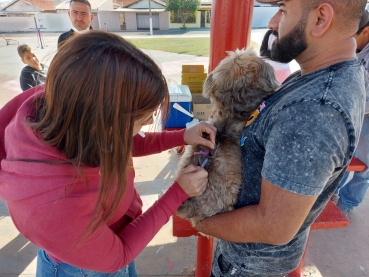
230 28
204 256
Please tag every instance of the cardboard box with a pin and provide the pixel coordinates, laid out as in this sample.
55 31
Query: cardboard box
194 81
179 94
201 106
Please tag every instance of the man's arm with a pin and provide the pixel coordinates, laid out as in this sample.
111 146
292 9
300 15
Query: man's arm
275 220
26 79
300 157
60 40
63 37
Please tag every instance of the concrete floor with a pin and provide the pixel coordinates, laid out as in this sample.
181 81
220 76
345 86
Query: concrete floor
331 253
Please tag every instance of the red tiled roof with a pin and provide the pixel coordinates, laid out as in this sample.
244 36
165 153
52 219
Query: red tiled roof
45 5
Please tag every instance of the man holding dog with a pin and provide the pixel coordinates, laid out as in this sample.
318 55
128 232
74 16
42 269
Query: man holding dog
299 147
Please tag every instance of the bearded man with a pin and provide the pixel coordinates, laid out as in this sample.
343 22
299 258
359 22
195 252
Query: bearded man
299 147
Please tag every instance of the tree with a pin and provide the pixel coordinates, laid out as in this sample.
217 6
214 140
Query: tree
184 8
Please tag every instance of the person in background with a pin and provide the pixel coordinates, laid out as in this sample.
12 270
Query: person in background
282 70
297 150
34 73
81 16
350 195
66 151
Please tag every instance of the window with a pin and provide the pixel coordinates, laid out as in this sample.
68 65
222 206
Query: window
175 17
208 17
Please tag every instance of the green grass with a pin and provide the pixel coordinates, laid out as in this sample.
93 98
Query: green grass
190 46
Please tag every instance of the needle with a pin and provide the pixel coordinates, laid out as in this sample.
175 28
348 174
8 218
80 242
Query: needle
204 162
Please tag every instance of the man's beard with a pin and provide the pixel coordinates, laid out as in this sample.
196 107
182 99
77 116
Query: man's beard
290 46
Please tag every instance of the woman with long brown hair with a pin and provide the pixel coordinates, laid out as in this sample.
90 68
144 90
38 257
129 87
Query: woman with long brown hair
66 153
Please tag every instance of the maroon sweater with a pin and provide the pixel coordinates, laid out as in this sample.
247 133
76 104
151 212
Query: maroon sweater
52 207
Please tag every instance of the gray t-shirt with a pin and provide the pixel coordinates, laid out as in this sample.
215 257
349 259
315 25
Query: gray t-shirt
302 141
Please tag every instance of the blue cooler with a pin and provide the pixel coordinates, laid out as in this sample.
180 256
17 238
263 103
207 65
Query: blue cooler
181 95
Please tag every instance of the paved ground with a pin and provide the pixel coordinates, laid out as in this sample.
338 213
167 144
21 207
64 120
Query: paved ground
331 253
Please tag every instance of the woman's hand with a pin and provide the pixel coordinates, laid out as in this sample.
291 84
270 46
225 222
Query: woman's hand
201 133
193 180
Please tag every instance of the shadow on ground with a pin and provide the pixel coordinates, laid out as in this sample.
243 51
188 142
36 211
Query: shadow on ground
171 259
16 256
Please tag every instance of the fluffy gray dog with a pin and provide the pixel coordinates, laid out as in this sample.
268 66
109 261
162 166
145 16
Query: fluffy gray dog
236 88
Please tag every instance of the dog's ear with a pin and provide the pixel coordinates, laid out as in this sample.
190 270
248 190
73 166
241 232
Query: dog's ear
241 103
208 87
267 79
240 83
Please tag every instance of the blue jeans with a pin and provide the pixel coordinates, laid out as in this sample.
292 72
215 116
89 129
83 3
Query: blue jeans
352 193
46 267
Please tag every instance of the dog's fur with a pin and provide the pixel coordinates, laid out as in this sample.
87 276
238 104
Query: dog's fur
236 87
